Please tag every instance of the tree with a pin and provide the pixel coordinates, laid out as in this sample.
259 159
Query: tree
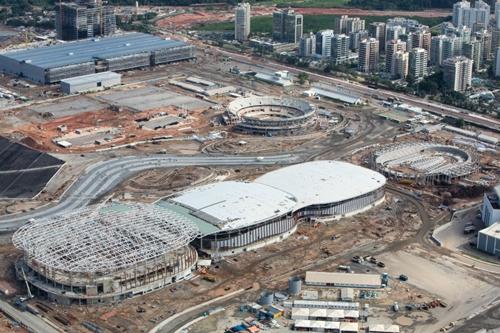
303 77
460 123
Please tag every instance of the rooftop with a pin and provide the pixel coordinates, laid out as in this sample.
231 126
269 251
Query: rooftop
90 49
90 78
104 238
343 278
492 231
323 182
231 205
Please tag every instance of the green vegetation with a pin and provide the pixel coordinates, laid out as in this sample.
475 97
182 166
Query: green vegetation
303 77
401 4
263 24
306 3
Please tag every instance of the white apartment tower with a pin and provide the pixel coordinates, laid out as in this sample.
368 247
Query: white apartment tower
324 43
242 22
497 62
400 63
465 15
418 63
392 47
457 73
340 48
368 55
307 47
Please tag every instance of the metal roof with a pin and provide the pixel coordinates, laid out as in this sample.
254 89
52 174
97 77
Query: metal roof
104 238
89 49
323 182
232 205
343 279
90 78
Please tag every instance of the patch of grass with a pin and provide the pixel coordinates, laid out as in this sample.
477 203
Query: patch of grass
263 24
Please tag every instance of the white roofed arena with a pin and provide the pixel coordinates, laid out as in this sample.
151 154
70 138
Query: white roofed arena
105 254
271 115
239 216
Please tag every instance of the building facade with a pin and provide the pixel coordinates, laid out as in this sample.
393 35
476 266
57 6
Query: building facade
473 50
287 26
307 45
242 16
418 63
457 73
324 43
340 48
391 48
465 15
368 55
85 19
377 30
400 63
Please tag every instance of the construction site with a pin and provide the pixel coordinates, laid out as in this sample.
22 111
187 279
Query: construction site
191 198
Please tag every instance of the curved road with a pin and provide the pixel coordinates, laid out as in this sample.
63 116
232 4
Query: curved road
102 177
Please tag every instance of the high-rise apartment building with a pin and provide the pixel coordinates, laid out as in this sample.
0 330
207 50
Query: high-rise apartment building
307 47
377 30
418 63
340 24
400 62
473 50
242 21
368 55
354 24
355 39
465 15
457 73
392 47
287 26
484 36
394 32
340 48
324 43
497 62
84 19
436 54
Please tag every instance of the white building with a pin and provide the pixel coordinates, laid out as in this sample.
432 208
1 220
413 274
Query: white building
490 211
400 63
324 43
354 24
436 54
393 46
465 15
497 62
457 73
368 55
90 82
307 46
339 280
242 22
418 63
497 15
340 48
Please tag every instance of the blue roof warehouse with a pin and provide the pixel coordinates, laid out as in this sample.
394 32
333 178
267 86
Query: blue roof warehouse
51 64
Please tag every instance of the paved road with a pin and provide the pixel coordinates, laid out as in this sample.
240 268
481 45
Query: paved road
35 323
102 177
434 107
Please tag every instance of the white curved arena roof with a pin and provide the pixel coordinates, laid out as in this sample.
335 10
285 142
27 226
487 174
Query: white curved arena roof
322 182
232 205
104 239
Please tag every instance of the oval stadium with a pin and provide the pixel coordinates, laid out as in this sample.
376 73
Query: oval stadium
102 254
425 162
270 115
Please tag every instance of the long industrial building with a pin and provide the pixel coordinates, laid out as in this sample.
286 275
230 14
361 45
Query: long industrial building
54 63
104 254
235 217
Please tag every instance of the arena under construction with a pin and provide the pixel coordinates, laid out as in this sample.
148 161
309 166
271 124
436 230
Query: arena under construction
425 162
270 115
102 254
235 217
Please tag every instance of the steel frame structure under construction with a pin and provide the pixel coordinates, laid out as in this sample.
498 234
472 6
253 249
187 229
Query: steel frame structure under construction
425 162
104 254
